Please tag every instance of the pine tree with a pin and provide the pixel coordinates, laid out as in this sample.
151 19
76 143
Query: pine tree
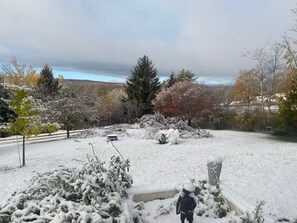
47 85
171 80
143 84
185 75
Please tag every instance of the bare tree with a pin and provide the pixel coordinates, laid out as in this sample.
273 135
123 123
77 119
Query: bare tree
261 58
290 53
114 107
222 96
269 67
72 112
275 69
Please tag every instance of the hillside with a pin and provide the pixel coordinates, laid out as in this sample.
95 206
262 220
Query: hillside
95 88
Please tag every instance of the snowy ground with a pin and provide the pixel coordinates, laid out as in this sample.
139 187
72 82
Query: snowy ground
255 166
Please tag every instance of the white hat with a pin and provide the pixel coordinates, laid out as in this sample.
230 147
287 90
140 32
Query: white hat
189 187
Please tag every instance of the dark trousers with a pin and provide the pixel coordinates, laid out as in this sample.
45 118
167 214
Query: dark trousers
188 216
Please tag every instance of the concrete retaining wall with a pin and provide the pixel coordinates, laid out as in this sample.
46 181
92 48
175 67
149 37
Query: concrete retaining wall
151 192
145 197
146 194
235 202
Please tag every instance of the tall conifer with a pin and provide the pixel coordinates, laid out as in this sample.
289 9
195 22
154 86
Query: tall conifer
47 84
143 84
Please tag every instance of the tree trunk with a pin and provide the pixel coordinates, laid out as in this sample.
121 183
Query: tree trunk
189 122
24 163
269 110
248 103
262 94
68 131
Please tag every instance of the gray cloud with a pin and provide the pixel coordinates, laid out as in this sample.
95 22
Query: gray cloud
107 37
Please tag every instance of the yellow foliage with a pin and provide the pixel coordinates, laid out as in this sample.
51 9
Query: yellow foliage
29 79
245 86
61 80
19 74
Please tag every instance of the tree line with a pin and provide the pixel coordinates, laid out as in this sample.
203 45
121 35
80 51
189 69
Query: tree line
33 103
181 95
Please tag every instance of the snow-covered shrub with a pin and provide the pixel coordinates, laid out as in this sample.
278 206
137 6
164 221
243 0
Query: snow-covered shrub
89 193
256 216
149 127
173 135
210 200
88 133
155 123
159 121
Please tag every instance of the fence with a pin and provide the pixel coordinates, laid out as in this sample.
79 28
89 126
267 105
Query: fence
39 138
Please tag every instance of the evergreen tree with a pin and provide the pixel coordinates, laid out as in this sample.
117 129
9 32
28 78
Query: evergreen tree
143 84
185 75
5 112
47 85
287 116
171 80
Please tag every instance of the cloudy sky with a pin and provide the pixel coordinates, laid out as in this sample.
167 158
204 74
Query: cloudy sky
103 39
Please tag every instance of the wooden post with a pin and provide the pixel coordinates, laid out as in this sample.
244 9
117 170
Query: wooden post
24 150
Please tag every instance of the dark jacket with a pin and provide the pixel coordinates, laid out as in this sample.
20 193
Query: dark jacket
185 203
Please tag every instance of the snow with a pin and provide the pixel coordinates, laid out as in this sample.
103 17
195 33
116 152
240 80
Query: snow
215 160
255 166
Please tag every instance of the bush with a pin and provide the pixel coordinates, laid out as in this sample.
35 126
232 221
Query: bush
286 120
219 120
90 193
210 200
251 120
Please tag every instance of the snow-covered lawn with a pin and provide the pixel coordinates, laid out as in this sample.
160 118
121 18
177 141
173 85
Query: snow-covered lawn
255 166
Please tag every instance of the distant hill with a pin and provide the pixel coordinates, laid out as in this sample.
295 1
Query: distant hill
99 88
73 81
88 87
